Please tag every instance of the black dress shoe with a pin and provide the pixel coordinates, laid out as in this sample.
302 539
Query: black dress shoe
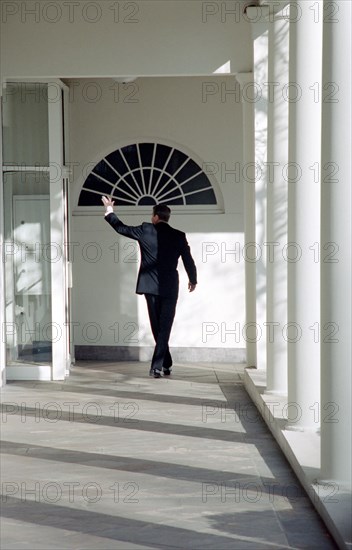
167 371
154 372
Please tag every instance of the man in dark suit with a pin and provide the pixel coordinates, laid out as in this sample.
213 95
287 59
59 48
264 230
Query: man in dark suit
161 246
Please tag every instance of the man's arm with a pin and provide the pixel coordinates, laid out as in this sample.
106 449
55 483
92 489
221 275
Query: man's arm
190 266
117 224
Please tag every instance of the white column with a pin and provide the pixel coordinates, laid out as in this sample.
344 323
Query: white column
260 129
58 282
2 271
336 362
246 82
302 331
277 205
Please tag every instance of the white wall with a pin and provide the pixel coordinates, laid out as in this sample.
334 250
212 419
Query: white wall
123 38
146 38
172 110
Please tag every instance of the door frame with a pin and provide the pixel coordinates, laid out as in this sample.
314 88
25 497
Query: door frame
59 213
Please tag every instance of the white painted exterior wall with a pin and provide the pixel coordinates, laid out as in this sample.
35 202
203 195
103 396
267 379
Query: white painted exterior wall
142 38
175 111
202 115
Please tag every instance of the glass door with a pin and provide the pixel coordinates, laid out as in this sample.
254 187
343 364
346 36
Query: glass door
27 268
35 190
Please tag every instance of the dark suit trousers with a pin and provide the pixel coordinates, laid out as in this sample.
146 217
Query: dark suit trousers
161 311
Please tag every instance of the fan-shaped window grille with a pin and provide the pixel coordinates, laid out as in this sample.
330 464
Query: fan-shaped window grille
146 174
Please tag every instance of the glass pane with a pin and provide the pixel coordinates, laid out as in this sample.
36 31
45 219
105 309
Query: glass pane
147 150
158 173
28 256
25 124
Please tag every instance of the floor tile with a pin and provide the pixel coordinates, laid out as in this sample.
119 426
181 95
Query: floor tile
113 459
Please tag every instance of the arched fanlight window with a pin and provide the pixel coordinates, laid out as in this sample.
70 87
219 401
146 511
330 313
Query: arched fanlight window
144 174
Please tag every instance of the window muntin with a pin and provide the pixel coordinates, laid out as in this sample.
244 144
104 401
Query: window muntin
146 174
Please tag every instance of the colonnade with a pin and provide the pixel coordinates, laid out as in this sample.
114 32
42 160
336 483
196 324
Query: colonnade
297 135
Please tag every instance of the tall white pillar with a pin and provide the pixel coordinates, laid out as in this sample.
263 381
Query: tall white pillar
336 380
258 250
2 271
277 205
303 174
246 82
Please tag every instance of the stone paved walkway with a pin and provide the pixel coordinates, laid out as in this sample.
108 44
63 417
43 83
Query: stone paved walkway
114 459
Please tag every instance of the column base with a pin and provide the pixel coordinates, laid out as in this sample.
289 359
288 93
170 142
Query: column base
279 393
302 450
333 500
307 429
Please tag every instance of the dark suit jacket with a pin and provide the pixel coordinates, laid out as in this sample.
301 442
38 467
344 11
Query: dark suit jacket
161 246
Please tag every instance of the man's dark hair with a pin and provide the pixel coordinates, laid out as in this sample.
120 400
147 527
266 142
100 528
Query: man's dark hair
163 211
